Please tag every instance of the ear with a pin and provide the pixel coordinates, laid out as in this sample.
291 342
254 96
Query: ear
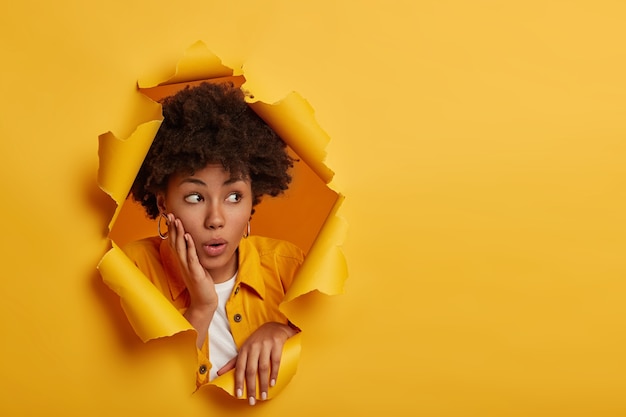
160 198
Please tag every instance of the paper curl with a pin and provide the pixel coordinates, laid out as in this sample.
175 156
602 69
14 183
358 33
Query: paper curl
324 268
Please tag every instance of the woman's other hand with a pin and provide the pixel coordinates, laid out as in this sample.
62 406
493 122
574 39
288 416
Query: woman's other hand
259 355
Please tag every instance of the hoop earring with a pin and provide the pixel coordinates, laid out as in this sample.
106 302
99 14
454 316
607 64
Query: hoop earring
247 233
161 234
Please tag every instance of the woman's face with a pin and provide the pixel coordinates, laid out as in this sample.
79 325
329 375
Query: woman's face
214 208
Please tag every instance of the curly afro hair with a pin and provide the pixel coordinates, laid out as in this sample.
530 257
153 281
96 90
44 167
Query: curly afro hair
212 123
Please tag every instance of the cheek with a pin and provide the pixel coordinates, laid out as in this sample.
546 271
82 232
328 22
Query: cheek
191 220
247 212
241 216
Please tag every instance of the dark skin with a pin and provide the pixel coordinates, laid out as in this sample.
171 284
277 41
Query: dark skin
204 126
201 207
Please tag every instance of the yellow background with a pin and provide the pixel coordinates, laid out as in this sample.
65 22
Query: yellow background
480 146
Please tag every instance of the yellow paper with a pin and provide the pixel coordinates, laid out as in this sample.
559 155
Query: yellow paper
481 147
121 160
150 314
197 64
292 118
324 269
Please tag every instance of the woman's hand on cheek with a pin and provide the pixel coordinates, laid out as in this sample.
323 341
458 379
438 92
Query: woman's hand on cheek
259 355
203 298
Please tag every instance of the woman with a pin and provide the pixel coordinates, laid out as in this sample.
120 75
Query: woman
210 163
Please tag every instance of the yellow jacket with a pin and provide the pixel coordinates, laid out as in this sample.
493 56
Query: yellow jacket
266 269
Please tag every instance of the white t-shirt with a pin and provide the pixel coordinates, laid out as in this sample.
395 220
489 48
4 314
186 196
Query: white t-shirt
222 347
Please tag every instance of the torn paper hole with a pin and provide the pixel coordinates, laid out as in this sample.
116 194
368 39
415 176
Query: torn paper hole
306 215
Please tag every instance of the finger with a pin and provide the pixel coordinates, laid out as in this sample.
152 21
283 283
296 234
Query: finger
193 261
229 365
174 235
251 370
180 244
264 372
171 228
275 358
240 369
190 251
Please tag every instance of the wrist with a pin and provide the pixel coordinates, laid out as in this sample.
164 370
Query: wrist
200 319
290 329
200 316
293 327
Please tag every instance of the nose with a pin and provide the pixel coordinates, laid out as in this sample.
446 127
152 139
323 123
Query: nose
214 218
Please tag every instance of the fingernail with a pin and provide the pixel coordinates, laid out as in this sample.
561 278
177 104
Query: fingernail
264 396
239 393
251 400
272 382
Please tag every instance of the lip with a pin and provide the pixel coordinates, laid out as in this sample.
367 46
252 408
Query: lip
214 247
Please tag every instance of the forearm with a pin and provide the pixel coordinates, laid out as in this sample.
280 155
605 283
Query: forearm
200 319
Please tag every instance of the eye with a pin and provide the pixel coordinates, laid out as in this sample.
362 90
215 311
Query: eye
194 198
233 198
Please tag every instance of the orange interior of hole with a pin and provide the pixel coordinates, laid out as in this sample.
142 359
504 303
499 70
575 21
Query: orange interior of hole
296 216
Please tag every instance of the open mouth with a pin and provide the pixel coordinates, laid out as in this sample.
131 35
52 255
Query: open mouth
215 248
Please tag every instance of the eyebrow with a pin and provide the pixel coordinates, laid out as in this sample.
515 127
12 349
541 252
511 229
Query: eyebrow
197 181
